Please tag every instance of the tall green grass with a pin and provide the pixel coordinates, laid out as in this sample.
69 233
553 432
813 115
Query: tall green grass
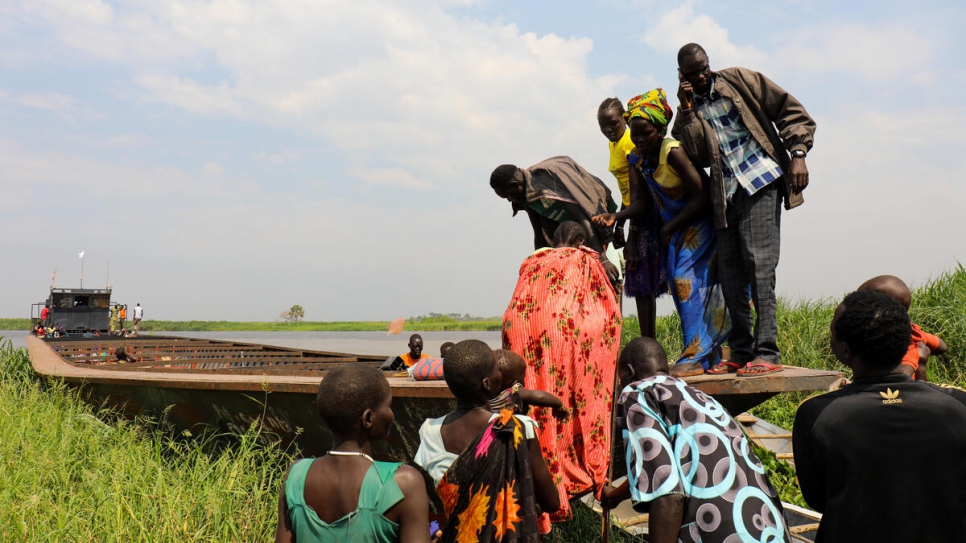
76 473
938 306
15 324
73 473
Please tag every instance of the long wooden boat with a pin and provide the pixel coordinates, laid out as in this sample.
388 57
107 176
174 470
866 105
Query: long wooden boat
198 384
223 385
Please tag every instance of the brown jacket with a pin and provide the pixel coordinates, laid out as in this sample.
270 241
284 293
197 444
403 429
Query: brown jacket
588 194
763 106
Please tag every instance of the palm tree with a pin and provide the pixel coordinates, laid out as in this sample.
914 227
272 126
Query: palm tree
295 314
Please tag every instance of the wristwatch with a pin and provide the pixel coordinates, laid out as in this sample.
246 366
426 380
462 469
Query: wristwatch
798 154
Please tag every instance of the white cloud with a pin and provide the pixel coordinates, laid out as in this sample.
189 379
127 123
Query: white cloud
878 53
190 95
129 140
212 169
280 157
389 176
401 81
682 25
881 201
67 106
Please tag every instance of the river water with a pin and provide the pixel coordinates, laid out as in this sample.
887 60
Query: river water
373 343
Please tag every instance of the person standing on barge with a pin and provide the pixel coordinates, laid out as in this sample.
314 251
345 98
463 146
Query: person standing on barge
743 126
646 279
555 191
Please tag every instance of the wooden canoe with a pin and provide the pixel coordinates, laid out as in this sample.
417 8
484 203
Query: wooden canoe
224 385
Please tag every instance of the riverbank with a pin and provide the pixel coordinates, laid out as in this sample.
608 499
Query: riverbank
424 325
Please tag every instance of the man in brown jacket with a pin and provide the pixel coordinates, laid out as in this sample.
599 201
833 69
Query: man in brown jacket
554 191
744 127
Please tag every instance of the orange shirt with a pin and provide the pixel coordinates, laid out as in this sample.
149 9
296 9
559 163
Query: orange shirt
408 359
911 357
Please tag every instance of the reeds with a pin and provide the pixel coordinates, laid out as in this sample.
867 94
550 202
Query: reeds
938 306
73 473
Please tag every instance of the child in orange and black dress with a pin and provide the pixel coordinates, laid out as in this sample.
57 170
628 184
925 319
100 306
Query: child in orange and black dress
488 468
646 275
346 495
922 344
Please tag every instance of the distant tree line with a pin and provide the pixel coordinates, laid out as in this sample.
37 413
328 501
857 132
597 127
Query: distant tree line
449 317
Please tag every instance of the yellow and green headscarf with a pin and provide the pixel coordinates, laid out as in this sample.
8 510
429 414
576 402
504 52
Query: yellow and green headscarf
652 106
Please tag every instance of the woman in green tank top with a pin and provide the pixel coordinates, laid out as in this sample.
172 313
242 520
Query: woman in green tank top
346 496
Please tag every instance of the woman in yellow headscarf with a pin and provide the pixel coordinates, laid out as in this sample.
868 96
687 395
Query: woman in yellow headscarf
662 176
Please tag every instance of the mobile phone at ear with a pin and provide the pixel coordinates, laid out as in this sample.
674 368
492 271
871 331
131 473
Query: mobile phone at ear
433 528
682 80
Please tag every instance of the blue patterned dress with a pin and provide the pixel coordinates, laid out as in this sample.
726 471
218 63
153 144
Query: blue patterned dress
691 264
681 441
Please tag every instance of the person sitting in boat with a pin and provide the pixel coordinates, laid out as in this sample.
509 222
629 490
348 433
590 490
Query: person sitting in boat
40 331
414 355
444 348
481 466
346 495
692 467
513 369
922 344
123 356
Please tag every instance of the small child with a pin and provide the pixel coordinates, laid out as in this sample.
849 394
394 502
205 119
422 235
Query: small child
513 368
346 495
569 234
444 348
922 345
484 464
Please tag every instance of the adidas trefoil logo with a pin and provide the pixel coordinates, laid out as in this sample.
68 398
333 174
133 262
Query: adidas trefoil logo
890 397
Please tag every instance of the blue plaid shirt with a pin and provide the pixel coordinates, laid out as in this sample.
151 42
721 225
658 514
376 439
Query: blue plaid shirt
745 162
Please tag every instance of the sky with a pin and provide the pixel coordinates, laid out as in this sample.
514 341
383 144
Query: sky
226 159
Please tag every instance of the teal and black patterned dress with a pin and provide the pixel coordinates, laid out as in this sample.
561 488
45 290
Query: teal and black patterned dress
681 441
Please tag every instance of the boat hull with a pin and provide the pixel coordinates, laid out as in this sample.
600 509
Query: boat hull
226 387
289 417
205 396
